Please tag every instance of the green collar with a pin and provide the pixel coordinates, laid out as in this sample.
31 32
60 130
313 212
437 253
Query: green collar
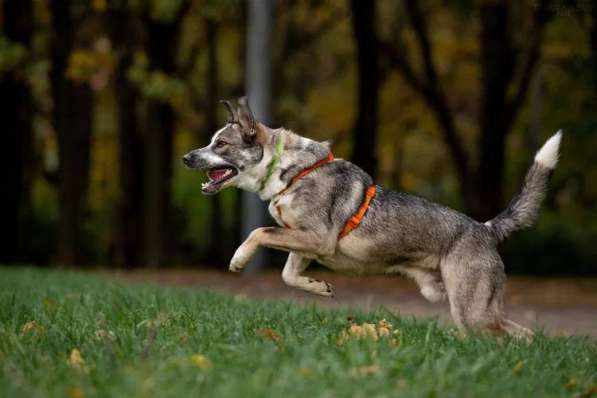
273 164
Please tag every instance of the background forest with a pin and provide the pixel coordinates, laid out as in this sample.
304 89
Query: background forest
100 99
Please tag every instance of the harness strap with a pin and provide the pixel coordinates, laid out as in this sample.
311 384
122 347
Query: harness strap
307 170
357 218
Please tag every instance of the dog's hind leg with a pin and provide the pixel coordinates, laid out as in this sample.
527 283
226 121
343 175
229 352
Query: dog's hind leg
429 281
295 265
474 280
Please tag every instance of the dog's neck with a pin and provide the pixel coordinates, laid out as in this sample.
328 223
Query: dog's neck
284 155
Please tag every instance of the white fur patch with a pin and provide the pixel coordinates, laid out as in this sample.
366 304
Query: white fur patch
548 154
217 133
212 158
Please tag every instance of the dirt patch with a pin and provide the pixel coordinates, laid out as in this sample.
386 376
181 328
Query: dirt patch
561 306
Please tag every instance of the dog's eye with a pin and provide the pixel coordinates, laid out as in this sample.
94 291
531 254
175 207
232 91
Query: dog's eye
221 144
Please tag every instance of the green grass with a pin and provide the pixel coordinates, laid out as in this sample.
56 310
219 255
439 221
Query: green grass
150 335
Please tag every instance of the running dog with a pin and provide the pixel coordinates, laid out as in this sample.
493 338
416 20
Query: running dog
330 210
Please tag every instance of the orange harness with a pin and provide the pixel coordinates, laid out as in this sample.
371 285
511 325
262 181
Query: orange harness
356 219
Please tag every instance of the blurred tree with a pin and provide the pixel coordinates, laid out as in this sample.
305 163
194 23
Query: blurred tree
15 112
298 32
72 119
159 124
130 215
365 129
507 67
593 38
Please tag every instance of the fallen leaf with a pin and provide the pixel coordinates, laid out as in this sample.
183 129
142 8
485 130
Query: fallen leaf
382 329
571 383
102 334
201 361
269 334
76 360
75 392
306 372
590 392
28 327
518 367
365 370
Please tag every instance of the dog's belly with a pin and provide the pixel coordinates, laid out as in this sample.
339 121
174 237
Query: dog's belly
343 264
358 256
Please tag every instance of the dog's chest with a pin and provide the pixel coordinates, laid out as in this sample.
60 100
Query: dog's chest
281 210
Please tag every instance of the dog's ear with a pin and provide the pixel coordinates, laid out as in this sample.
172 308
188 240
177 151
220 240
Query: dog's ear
232 118
246 120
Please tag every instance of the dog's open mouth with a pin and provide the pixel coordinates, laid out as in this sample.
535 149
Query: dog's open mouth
217 177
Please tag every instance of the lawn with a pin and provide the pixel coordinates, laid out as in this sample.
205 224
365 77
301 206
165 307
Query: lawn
75 335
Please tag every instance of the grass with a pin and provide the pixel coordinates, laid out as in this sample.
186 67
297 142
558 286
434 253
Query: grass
146 341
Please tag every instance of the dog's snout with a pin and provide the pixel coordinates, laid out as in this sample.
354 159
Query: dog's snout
188 159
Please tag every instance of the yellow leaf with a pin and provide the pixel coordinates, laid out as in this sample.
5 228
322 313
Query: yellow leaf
366 370
518 367
200 361
28 327
75 392
305 372
571 383
371 331
76 361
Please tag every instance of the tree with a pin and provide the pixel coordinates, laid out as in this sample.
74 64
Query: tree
15 112
159 125
72 119
365 129
506 67
130 220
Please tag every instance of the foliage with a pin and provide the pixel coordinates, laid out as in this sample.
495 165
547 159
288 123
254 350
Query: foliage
11 54
67 334
314 84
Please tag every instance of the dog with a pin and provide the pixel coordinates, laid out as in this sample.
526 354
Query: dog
329 210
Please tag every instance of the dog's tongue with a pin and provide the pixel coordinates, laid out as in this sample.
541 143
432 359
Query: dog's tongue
216 175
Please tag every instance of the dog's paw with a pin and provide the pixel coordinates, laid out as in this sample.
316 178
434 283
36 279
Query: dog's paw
433 293
321 288
239 260
329 290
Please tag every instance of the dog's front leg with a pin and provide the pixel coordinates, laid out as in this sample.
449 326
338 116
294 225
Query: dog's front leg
295 265
281 239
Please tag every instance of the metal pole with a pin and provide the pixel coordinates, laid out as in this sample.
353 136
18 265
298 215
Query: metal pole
258 89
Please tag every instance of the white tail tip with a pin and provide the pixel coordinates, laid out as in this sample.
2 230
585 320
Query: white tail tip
547 156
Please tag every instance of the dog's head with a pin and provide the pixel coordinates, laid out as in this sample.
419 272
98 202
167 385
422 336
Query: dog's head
235 150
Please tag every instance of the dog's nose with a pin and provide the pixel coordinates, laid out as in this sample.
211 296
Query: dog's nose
188 159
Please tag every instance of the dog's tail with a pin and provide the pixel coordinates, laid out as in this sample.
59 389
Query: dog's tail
523 209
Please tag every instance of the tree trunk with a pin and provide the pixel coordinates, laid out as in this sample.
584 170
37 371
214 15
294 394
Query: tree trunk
364 152
72 117
16 113
593 41
130 223
161 48
498 60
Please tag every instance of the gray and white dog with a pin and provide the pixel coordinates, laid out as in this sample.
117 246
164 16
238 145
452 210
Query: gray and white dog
448 254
